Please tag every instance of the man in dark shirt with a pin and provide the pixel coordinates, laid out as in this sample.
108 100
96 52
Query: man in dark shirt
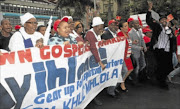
5 34
161 44
111 32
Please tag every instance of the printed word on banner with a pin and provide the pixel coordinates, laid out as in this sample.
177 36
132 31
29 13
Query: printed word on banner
58 77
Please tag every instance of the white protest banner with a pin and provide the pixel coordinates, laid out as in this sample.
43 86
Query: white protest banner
58 77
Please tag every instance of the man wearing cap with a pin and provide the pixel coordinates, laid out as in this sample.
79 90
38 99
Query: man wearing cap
111 32
161 44
93 36
5 34
27 36
130 22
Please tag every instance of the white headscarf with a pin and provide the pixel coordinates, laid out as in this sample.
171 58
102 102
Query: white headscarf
24 18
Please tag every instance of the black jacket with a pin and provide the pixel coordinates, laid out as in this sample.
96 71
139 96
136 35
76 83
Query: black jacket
156 28
4 42
107 35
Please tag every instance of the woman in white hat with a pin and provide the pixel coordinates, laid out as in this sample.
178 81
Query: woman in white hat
27 36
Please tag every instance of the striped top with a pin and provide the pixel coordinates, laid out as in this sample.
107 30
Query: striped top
163 41
128 45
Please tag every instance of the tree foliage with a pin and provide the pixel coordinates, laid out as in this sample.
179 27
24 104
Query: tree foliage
163 7
78 5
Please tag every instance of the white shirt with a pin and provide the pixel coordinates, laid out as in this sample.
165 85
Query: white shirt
17 42
73 34
139 31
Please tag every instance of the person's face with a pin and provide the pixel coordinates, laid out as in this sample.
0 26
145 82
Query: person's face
124 27
63 29
130 24
30 26
112 27
136 24
42 30
6 26
117 26
99 29
79 29
163 21
71 24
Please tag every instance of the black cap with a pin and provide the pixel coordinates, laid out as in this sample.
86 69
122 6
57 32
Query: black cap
163 16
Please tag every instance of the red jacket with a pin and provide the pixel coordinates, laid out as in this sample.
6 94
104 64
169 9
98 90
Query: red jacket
90 37
120 34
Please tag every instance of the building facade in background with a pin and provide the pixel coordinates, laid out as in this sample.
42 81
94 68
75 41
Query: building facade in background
13 9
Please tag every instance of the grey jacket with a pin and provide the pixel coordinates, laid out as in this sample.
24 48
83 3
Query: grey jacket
136 48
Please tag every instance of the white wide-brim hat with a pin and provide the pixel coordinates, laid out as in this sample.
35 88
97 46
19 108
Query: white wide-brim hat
97 21
24 18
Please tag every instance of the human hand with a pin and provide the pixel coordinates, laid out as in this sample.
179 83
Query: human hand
80 43
150 5
102 65
135 42
39 43
145 49
66 43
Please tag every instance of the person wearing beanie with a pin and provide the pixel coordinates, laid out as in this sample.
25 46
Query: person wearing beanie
5 34
62 33
27 36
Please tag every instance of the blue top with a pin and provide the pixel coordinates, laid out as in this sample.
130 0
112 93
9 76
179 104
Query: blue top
59 40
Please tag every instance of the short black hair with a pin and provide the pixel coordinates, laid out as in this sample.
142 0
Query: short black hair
39 27
121 23
2 21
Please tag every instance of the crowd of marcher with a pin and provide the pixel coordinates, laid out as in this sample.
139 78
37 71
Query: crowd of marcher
151 52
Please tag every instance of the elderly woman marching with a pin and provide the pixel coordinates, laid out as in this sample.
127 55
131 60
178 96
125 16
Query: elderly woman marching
62 33
27 36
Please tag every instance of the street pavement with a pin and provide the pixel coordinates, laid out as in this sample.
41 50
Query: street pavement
145 96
